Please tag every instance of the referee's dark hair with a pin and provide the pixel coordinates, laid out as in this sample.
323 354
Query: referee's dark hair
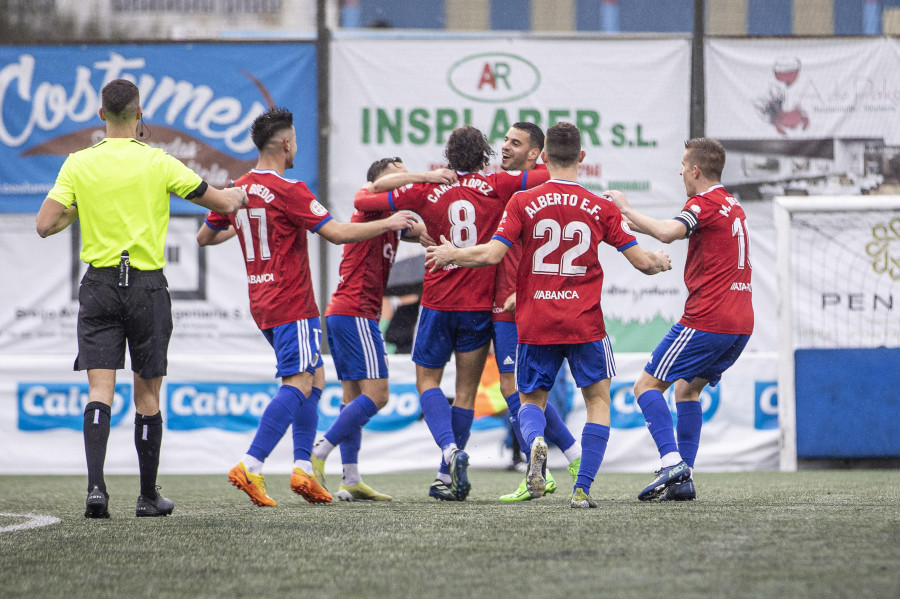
534 133
269 124
120 99
563 144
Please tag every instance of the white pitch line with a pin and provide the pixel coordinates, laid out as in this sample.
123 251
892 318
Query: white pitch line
33 521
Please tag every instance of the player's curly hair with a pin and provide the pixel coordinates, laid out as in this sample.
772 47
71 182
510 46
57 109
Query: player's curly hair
120 99
379 167
708 154
269 124
468 150
563 144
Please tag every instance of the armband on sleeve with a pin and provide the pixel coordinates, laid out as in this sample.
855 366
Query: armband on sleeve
198 192
689 220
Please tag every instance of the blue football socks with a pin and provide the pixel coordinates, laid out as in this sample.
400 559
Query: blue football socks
461 423
351 444
556 431
306 419
532 422
513 404
438 417
687 426
659 420
352 418
275 420
594 438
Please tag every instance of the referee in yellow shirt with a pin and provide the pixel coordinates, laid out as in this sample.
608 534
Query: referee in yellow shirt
119 190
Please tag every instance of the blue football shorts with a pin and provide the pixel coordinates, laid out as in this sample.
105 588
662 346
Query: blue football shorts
506 340
297 346
686 353
537 365
439 334
357 347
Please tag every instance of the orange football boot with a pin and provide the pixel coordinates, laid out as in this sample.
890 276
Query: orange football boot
307 486
253 485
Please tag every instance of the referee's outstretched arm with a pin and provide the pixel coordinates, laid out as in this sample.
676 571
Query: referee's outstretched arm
53 217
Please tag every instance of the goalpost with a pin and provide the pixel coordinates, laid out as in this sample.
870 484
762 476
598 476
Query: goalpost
838 261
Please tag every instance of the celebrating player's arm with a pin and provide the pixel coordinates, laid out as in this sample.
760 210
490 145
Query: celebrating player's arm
475 256
338 232
666 231
391 181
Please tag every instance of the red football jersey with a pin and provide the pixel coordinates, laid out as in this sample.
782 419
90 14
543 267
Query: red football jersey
717 271
560 225
505 282
272 231
466 213
365 268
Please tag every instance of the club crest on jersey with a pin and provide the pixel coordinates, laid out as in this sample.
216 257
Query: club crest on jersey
318 209
544 294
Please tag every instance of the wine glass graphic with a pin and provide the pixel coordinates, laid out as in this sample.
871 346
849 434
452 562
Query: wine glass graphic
787 69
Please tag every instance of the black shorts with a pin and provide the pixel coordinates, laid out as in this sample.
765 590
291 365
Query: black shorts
109 315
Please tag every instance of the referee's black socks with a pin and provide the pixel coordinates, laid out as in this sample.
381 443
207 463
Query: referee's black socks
147 440
96 435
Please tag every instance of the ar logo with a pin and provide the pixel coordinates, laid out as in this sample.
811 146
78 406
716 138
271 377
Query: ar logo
884 249
492 75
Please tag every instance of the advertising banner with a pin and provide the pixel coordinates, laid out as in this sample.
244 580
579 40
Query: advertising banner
211 405
198 102
630 98
806 116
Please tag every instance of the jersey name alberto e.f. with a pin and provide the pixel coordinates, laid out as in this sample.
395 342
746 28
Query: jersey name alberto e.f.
559 225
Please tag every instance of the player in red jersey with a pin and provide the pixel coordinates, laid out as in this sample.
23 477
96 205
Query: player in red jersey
718 314
273 230
521 149
356 342
456 303
559 226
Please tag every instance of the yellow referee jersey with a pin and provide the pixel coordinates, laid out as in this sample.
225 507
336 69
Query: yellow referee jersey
122 187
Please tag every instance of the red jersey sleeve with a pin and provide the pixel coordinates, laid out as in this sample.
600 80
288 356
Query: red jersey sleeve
303 210
618 233
366 201
510 226
217 222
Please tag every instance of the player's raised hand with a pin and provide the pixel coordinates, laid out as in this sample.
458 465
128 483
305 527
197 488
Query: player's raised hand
618 198
400 220
441 176
439 256
664 260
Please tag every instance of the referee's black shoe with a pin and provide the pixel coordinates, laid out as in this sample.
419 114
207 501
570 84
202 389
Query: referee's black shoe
97 504
154 506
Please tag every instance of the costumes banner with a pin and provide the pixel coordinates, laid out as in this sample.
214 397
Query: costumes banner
198 102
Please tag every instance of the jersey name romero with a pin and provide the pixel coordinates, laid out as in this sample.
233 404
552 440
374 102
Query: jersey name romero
560 225
272 231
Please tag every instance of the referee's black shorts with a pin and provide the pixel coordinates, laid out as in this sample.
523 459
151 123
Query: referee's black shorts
109 315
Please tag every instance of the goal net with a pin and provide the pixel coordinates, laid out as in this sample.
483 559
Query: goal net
838 261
